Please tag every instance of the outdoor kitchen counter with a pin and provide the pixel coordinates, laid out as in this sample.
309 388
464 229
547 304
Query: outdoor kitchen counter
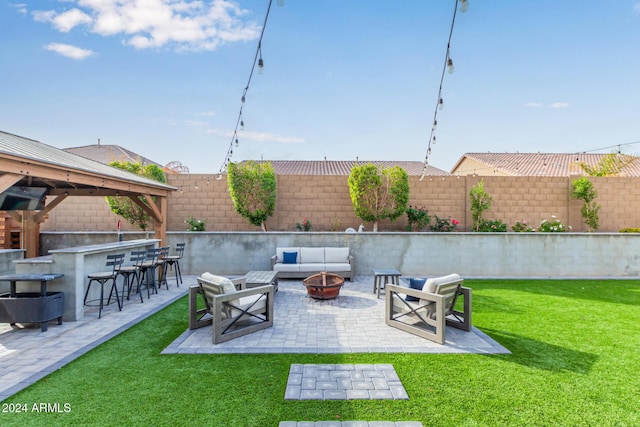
76 263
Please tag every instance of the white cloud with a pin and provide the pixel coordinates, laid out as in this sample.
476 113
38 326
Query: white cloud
559 105
553 105
533 104
636 7
179 24
207 113
69 51
20 7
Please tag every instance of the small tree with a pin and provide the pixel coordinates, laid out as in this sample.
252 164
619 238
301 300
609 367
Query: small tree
582 189
127 208
378 193
480 202
252 186
609 165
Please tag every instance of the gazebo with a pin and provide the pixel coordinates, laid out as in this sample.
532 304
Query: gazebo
36 170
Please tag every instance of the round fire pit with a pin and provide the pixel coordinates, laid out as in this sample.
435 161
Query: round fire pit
323 285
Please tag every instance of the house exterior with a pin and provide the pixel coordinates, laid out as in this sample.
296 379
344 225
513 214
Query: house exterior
343 167
537 164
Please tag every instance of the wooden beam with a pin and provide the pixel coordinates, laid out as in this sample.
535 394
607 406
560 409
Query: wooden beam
151 209
7 180
59 173
39 218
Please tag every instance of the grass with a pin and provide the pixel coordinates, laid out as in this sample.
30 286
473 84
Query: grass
574 362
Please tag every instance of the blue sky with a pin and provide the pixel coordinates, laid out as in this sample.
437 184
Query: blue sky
342 78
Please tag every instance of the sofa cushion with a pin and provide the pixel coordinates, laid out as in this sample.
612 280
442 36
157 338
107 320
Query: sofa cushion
280 253
415 283
287 268
337 266
340 255
289 257
311 255
312 267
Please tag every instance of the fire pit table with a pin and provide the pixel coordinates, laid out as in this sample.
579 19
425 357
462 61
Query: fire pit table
323 285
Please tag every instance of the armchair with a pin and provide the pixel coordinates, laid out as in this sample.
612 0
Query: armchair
433 310
230 308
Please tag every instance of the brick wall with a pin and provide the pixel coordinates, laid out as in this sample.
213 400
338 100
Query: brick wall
325 201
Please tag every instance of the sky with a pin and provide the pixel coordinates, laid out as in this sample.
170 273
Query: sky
342 79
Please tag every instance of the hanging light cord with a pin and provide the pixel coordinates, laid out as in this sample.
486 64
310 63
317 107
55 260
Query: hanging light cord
240 121
448 63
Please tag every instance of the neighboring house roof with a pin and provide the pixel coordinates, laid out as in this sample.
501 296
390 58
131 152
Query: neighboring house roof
26 149
343 167
534 164
109 153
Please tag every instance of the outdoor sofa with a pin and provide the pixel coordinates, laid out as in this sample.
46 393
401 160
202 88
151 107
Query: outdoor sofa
302 262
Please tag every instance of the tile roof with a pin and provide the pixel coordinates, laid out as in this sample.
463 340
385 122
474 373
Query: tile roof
541 164
30 149
109 153
343 167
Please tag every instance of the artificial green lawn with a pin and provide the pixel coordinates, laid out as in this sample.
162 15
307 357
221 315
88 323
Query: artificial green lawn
575 362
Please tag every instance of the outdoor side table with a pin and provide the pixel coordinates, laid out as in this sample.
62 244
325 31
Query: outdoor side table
261 278
31 307
383 276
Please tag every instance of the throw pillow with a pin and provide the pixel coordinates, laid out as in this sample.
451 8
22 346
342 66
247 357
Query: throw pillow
415 283
289 257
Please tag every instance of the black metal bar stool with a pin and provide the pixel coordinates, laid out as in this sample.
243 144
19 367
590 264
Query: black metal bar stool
148 269
164 253
131 272
115 262
173 261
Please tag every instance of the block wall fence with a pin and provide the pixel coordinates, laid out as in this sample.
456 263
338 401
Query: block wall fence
325 201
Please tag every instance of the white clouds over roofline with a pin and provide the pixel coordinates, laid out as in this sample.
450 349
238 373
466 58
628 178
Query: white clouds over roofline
191 25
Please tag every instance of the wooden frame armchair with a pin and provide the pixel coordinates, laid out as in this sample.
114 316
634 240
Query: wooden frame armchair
230 308
434 309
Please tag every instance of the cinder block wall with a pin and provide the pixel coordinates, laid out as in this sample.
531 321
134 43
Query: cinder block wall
325 201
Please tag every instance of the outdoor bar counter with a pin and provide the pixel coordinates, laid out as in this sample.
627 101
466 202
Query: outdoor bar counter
76 263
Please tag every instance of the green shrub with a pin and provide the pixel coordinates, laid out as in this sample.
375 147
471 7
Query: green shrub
522 227
553 226
418 218
492 226
630 230
441 225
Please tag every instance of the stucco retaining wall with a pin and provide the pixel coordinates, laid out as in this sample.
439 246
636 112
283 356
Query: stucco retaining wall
501 255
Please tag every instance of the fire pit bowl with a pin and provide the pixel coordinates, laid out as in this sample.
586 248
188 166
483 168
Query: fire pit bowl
323 285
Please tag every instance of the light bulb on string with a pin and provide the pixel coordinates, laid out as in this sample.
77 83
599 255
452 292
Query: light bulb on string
433 141
435 125
464 5
237 143
243 99
441 104
242 124
450 67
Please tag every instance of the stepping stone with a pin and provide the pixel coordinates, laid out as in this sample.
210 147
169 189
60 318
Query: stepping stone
344 382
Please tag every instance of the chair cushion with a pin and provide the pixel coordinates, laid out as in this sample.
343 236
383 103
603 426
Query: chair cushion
311 255
227 285
287 268
244 303
336 255
430 284
289 257
415 283
337 266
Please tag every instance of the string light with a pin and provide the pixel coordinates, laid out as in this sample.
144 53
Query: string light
447 66
257 60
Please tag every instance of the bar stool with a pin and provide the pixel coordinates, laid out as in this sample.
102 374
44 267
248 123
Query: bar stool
148 269
164 253
171 260
131 272
115 262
